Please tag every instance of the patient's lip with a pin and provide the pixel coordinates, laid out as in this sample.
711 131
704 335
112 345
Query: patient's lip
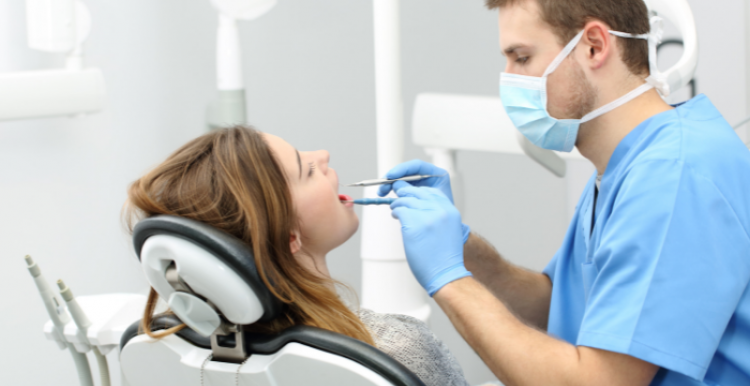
346 200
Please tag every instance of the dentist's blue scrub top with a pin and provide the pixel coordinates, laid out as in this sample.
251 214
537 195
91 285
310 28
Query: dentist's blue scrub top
664 275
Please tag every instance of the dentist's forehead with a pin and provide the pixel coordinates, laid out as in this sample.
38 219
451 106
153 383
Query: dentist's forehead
522 26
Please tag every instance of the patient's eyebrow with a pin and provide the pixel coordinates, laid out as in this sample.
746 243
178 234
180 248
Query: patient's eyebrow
299 163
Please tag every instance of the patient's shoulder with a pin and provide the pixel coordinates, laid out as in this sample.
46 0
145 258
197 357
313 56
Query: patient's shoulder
395 326
412 343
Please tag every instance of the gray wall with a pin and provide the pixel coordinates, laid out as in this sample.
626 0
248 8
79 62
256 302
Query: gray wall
309 71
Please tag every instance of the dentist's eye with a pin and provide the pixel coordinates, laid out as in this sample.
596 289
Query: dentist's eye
522 60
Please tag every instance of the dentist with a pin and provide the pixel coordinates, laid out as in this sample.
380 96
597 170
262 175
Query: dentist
650 285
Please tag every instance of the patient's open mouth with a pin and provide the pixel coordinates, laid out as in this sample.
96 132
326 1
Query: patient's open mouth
345 198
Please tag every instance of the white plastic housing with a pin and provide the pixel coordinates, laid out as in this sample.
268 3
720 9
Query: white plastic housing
680 14
194 312
172 361
476 123
383 259
388 97
387 282
51 25
204 273
228 55
110 316
244 9
36 94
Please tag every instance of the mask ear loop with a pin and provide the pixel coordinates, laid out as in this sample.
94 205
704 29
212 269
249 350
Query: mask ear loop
656 78
563 54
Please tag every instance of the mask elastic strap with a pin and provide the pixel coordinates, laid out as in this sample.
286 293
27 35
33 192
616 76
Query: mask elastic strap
563 54
654 37
617 103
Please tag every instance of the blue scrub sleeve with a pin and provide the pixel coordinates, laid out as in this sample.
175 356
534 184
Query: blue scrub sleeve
549 270
669 270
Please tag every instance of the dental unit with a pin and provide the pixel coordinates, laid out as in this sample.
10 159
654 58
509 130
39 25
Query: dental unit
176 251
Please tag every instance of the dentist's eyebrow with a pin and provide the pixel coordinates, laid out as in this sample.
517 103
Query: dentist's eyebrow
512 49
299 163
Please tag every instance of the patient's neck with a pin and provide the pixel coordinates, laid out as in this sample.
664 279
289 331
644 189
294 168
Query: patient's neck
316 264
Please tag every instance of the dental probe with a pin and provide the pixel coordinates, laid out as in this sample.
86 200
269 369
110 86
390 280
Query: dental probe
373 201
60 318
83 323
382 181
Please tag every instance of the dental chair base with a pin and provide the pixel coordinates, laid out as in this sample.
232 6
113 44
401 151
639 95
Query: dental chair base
300 355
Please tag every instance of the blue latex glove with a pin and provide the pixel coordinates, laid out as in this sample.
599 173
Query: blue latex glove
416 166
433 235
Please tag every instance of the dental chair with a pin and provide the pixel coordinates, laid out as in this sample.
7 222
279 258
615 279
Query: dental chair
212 285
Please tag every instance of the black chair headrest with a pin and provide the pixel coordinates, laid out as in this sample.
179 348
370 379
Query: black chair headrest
227 248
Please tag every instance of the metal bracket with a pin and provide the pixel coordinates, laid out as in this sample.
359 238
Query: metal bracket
174 279
232 347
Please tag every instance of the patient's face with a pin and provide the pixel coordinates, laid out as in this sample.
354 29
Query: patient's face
325 222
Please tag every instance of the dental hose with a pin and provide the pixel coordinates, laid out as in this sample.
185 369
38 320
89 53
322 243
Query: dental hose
82 366
101 361
59 318
83 323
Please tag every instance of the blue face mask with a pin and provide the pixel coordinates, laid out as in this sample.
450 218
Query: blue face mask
525 97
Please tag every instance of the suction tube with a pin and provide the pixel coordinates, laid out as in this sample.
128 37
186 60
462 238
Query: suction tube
60 318
83 323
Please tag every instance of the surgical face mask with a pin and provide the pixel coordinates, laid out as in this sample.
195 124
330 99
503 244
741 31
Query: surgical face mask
525 97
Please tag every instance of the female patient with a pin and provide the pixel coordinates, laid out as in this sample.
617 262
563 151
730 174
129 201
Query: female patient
285 204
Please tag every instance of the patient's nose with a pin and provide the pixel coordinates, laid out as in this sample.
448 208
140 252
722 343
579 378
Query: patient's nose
322 157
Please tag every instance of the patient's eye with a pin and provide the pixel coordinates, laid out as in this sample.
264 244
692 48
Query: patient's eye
312 168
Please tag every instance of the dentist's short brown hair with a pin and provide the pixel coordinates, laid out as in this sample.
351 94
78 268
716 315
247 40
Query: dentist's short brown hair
568 17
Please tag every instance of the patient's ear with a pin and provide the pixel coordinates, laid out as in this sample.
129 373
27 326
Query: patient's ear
295 242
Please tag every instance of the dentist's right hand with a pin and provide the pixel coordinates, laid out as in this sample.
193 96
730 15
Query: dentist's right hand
416 166
433 235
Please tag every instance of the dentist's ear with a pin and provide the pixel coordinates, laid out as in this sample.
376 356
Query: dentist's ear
295 242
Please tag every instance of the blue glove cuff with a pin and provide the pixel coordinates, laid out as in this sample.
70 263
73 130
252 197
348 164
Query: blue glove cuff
467 232
450 275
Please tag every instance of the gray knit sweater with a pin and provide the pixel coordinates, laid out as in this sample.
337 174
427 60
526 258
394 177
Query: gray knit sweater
410 341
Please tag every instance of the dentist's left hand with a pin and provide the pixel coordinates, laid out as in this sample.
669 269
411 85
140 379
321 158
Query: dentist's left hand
433 235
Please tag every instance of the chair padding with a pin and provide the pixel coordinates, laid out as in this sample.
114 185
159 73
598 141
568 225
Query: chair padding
224 246
324 340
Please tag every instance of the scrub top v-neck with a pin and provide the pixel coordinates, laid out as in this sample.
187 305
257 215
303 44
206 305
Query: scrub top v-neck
659 269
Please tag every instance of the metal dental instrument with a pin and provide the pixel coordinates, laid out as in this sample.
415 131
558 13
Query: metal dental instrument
373 201
382 181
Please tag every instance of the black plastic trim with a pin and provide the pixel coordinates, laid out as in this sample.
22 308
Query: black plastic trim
224 246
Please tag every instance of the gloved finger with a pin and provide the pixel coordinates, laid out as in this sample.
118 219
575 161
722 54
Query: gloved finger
383 190
415 166
400 185
422 193
408 202
400 213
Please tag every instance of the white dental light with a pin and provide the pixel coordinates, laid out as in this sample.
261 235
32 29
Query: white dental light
56 26
680 14
229 108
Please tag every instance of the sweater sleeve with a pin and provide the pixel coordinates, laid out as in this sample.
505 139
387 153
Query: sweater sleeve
411 342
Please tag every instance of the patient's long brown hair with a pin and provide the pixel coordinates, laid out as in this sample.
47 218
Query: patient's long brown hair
230 179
